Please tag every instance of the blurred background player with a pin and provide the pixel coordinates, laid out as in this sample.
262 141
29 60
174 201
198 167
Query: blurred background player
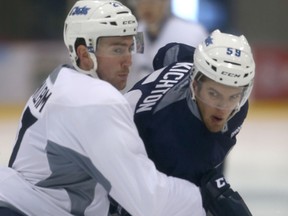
188 114
77 142
160 26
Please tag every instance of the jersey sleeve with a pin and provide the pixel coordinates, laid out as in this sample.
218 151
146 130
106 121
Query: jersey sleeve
107 136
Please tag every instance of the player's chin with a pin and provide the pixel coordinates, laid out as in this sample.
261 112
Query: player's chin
215 129
121 84
215 126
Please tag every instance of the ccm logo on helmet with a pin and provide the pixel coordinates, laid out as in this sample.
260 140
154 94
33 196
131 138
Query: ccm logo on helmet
129 22
230 74
80 11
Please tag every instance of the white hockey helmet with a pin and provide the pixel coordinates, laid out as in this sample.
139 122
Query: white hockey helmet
226 59
91 19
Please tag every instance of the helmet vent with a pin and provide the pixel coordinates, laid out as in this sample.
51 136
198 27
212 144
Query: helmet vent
70 48
232 63
113 23
122 12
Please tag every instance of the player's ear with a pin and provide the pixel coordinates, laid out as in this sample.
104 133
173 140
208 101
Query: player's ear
194 86
82 52
84 57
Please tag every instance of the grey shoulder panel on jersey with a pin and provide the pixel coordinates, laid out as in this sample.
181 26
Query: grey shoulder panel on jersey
178 92
54 74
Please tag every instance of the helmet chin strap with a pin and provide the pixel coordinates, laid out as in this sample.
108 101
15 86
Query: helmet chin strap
192 91
92 72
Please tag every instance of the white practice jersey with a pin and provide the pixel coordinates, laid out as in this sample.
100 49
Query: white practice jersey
174 30
76 145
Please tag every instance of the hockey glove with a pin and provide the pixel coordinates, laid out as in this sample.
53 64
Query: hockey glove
219 199
116 209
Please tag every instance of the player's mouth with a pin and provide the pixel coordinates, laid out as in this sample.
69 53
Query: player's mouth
123 75
217 119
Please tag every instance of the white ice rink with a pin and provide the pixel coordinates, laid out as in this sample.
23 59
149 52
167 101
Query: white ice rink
257 167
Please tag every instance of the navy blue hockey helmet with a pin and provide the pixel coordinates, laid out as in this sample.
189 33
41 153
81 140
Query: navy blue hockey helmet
173 52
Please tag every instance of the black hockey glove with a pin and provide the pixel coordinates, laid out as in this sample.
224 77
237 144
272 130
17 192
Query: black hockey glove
116 209
219 199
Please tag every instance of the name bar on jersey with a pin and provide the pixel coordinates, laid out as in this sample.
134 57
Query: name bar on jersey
41 96
170 79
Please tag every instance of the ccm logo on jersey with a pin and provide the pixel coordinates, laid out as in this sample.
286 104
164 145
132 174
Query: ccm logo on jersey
79 11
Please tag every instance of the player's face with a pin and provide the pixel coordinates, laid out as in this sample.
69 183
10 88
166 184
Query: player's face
216 102
152 11
114 59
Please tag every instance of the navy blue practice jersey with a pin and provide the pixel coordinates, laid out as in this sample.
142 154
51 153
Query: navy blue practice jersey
170 125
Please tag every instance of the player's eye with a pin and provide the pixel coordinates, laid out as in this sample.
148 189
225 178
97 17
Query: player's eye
119 50
213 94
235 97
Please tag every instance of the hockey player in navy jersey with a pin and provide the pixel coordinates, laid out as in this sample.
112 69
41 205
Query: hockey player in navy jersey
77 144
190 109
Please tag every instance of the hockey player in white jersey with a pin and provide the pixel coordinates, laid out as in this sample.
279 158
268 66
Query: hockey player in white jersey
77 143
